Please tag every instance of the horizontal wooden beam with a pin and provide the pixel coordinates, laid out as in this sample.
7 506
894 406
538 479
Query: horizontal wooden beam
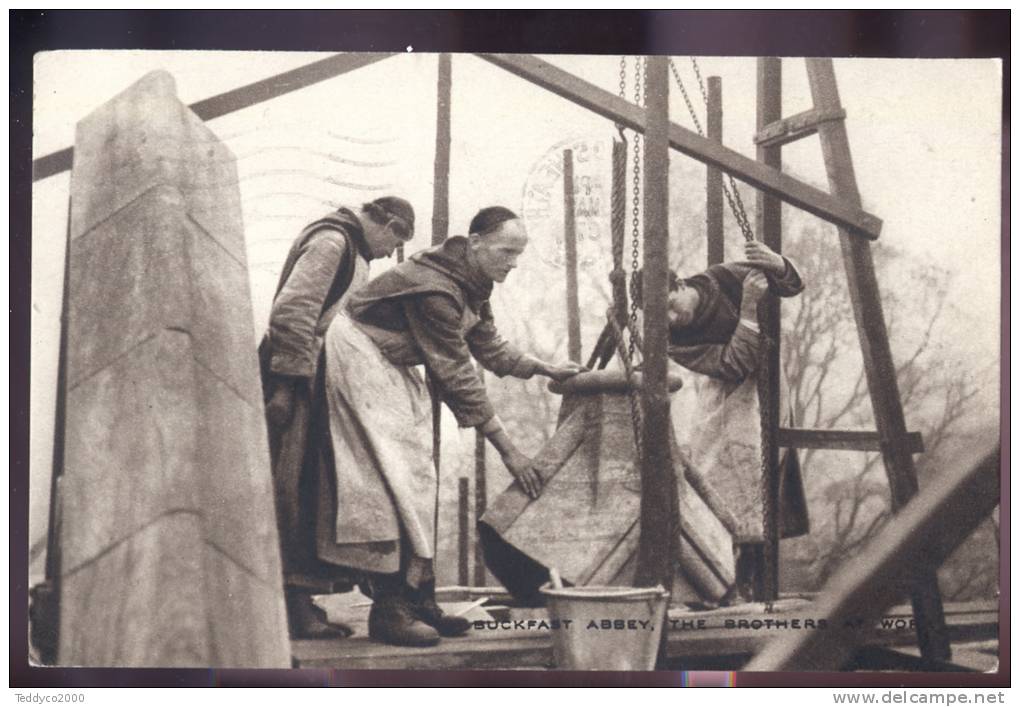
768 179
913 543
862 441
795 127
238 98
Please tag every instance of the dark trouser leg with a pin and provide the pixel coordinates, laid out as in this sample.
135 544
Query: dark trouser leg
750 562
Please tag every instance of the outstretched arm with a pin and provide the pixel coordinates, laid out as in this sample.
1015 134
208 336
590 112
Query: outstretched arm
502 358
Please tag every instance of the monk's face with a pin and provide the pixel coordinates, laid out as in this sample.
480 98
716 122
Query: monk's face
682 306
496 253
383 238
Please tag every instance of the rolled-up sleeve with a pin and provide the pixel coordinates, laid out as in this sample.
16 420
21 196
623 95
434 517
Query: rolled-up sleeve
298 305
435 323
733 361
789 284
495 353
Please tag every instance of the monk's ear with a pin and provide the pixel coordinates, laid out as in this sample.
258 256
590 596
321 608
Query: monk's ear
474 240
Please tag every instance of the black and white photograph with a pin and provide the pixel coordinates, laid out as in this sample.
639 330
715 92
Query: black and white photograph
451 361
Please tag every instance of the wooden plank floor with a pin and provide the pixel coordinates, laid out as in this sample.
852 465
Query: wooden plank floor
728 632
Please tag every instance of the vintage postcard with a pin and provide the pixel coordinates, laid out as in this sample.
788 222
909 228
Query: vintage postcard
423 361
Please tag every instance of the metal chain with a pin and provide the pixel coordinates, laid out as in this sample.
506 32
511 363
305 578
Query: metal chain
732 194
701 84
635 264
635 209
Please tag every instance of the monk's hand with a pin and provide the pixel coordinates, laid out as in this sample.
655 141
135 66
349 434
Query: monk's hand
561 371
523 469
280 408
761 256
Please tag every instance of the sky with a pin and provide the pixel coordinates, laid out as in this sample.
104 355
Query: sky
925 136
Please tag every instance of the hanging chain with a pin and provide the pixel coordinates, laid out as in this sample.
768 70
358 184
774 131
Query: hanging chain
635 221
627 355
732 193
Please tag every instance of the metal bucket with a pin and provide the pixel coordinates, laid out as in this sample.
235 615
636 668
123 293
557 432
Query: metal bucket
611 628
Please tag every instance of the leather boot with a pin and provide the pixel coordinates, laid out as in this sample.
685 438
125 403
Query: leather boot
392 618
426 609
306 620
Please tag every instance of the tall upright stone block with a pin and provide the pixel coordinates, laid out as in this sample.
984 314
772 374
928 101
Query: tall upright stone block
169 552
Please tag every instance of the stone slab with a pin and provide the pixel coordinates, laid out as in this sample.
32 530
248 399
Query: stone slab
129 447
221 321
247 618
128 280
145 138
140 604
231 473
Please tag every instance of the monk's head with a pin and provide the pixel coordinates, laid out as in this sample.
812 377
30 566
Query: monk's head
683 305
497 238
388 222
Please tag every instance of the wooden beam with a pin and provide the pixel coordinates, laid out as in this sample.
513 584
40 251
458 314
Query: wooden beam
907 551
440 228
874 342
570 253
441 169
713 177
862 441
659 503
481 499
238 98
463 530
786 130
789 189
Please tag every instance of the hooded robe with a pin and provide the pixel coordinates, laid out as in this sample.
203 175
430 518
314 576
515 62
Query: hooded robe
717 416
433 309
328 260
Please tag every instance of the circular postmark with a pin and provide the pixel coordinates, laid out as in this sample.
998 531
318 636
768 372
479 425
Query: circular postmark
543 204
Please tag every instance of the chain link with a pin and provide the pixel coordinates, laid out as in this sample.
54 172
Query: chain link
732 194
635 264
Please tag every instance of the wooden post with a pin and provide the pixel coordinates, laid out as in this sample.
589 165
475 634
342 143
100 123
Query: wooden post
659 512
463 536
440 228
45 598
769 225
480 499
878 363
714 178
911 545
441 172
570 251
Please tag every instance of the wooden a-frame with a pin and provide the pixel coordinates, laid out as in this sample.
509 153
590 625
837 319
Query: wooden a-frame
841 207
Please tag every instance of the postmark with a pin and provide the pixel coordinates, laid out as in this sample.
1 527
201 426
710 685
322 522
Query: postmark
543 203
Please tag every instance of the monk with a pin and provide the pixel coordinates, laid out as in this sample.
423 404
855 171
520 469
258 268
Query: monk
434 310
327 261
714 333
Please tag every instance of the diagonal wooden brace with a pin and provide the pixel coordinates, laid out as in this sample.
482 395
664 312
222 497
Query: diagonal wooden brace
843 213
